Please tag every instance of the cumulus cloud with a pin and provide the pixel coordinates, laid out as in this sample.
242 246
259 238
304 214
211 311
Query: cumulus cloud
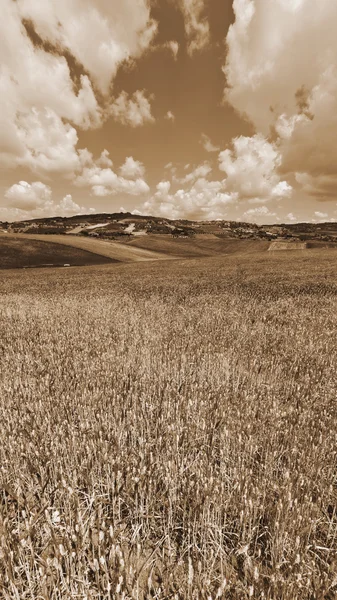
134 111
132 168
281 74
199 172
117 31
251 169
34 200
196 24
47 144
26 196
103 181
207 144
40 103
203 200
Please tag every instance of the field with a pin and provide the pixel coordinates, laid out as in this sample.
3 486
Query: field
18 252
111 250
198 245
168 429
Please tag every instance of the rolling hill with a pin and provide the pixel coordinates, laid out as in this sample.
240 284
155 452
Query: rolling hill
124 237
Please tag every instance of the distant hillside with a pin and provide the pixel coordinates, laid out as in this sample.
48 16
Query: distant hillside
127 226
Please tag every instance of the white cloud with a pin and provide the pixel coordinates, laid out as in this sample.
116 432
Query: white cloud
281 73
134 111
34 200
39 101
291 217
25 196
103 181
170 116
260 214
252 169
117 31
203 200
132 168
196 24
207 144
45 144
173 47
200 171
320 215
103 161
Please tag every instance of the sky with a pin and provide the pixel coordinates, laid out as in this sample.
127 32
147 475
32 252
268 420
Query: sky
192 109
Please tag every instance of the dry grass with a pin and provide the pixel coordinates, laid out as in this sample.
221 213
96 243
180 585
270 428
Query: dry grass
17 252
169 430
199 245
109 249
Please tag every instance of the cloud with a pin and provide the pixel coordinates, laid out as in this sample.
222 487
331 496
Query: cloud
260 214
207 144
117 32
196 25
103 181
252 169
26 196
200 171
203 200
34 200
282 76
102 161
291 217
134 111
173 47
40 99
251 176
45 144
323 187
321 215
132 168
170 116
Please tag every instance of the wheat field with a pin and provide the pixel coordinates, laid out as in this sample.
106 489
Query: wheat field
168 430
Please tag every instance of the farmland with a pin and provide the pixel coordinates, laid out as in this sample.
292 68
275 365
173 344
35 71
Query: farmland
169 429
19 252
33 250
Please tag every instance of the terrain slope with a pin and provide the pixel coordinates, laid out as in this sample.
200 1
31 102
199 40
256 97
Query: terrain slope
44 247
23 251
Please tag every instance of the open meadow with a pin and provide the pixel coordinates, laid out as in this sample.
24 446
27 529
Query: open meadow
168 429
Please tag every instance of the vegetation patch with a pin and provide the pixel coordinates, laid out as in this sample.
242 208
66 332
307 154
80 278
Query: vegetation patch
16 252
170 433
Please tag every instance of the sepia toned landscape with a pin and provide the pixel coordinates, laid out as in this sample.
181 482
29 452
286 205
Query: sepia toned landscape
168 300
169 428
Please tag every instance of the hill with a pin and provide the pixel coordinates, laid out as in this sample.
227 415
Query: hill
123 237
122 226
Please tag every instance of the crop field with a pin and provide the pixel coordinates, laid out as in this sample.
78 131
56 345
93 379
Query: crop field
113 250
169 430
199 245
17 252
